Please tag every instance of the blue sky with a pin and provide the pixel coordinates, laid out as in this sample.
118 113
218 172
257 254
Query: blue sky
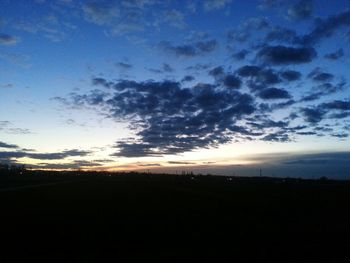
176 85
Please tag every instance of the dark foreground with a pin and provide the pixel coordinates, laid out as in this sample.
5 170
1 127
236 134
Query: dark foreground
173 219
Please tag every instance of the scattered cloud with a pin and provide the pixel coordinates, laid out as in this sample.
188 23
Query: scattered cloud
326 27
190 50
281 35
123 65
210 5
318 75
8 40
313 115
166 68
274 93
283 55
240 55
9 146
232 81
269 4
290 75
188 78
9 156
101 12
181 163
335 55
8 85
174 18
300 11
172 119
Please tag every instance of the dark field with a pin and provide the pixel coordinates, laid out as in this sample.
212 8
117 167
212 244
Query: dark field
173 219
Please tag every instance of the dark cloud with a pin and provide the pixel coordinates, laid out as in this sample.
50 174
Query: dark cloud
337 105
232 81
334 165
340 135
240 55
268 76
188 78
335 55
323 77
167 117
8 40
311 97
337 109
95 97
282 55
300 11
210 5
57 155
178 162
259 75
274 93
259 78
255 23
102 82
171 119
277 137
4 124
313 115
323 129
245 30
217 71
263 124
8 127
239 36
319 76
282 105
269 4
9 146
18 131
281 34
198 67
190 50
323 90
339 115
174 18
149 164
131 20
249 71
137 149
138 3
76 164
101 12
323 159
123 65
306 133
325 28
10 155
166 68
290 75
8 85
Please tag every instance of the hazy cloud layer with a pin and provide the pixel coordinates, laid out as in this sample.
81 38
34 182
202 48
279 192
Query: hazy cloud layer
14 152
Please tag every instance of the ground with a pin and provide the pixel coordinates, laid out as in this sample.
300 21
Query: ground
95 218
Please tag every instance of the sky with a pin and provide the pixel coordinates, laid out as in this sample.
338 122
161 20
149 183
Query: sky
213 86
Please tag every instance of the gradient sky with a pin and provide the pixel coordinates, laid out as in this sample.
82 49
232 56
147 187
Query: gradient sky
215 86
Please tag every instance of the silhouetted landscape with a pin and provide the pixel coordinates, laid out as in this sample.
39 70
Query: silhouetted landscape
98 216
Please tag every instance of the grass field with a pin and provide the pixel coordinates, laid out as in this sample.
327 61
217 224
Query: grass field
173 219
